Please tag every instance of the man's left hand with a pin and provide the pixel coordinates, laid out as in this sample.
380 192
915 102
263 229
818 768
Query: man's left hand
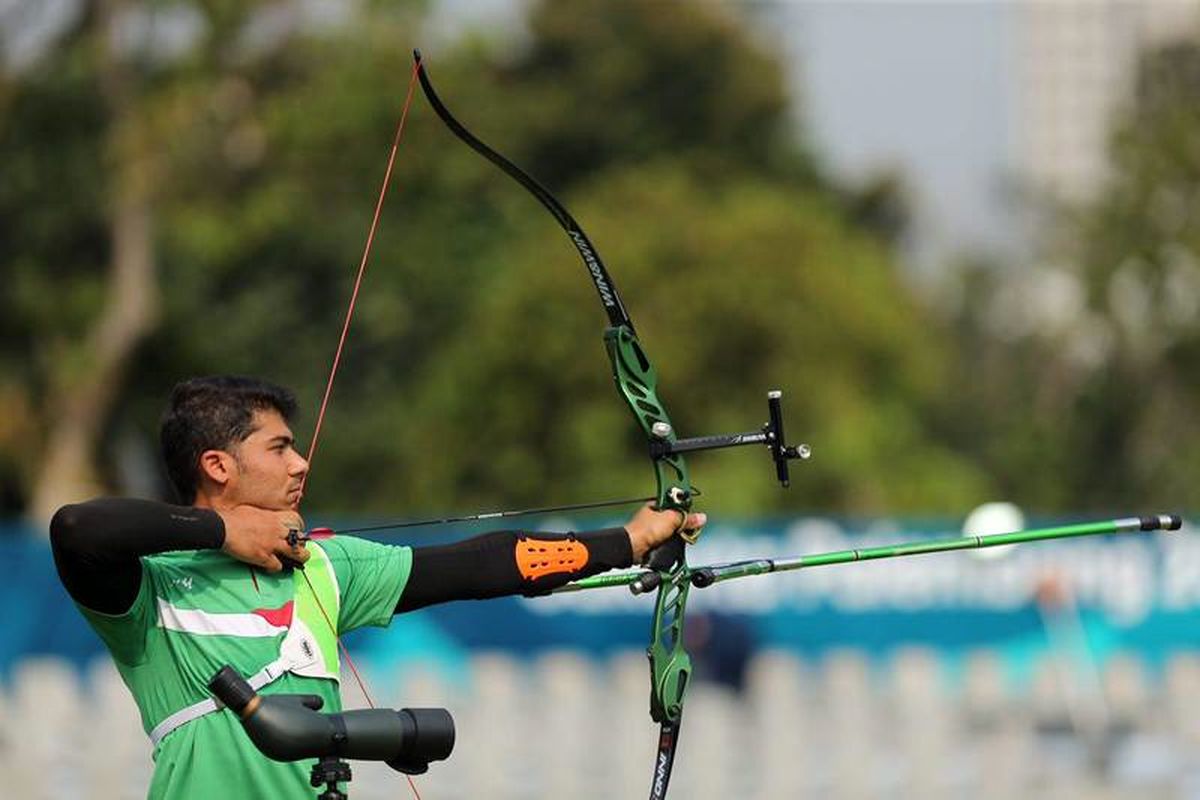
650 527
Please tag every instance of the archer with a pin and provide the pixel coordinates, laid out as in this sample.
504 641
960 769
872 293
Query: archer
177 591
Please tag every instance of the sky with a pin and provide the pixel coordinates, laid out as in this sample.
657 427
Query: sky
924 87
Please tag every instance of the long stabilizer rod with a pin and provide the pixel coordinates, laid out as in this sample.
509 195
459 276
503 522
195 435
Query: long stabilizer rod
718 573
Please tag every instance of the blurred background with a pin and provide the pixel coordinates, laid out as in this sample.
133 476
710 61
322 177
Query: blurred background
961 237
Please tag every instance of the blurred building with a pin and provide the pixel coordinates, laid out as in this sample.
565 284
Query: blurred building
1076 65
979 106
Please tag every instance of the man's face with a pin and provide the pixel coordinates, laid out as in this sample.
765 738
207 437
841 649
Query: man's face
269 471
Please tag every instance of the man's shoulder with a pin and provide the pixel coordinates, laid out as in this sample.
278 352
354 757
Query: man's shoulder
349 555
339 546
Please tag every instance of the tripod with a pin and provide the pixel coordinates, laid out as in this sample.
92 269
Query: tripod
330 770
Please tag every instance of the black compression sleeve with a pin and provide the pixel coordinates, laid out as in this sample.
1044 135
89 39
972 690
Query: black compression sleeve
510 562
98 545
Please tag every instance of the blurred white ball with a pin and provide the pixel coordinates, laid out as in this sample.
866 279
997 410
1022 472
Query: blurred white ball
990 519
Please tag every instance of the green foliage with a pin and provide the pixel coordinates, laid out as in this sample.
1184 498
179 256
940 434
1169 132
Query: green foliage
1140 253
475 373
1091 403
608 84
736 287
52 246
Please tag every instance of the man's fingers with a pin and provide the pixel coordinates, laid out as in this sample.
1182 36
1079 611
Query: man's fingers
295 552
688 522
272 564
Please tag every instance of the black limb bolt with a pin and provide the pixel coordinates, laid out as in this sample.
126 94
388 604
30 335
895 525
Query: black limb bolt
1161 522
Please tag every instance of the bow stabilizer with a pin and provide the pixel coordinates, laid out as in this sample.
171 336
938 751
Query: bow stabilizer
704 576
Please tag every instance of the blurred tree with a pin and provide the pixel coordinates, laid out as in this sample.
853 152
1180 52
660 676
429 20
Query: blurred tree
737 286
85 334
112 125
475 372
514 405
1084 372
608 84
1140 252
881 204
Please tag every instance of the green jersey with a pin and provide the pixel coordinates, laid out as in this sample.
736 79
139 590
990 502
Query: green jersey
200 610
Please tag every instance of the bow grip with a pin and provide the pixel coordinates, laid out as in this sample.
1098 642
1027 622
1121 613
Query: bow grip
662 559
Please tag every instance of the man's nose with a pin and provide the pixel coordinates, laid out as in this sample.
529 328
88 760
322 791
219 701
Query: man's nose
299 465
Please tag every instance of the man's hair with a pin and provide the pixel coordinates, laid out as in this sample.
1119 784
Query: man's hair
213 413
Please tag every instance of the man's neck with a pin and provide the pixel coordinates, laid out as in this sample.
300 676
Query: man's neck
211 502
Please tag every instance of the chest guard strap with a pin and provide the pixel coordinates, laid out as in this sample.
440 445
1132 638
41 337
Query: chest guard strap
309 648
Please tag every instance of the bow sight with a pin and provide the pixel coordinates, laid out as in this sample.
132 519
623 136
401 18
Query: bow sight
771 434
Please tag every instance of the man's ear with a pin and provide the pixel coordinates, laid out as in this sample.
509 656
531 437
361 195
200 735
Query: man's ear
217 466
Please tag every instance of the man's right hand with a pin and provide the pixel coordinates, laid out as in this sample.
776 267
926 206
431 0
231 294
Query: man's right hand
259 536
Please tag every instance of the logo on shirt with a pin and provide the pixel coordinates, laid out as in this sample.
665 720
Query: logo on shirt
183 583
280 617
